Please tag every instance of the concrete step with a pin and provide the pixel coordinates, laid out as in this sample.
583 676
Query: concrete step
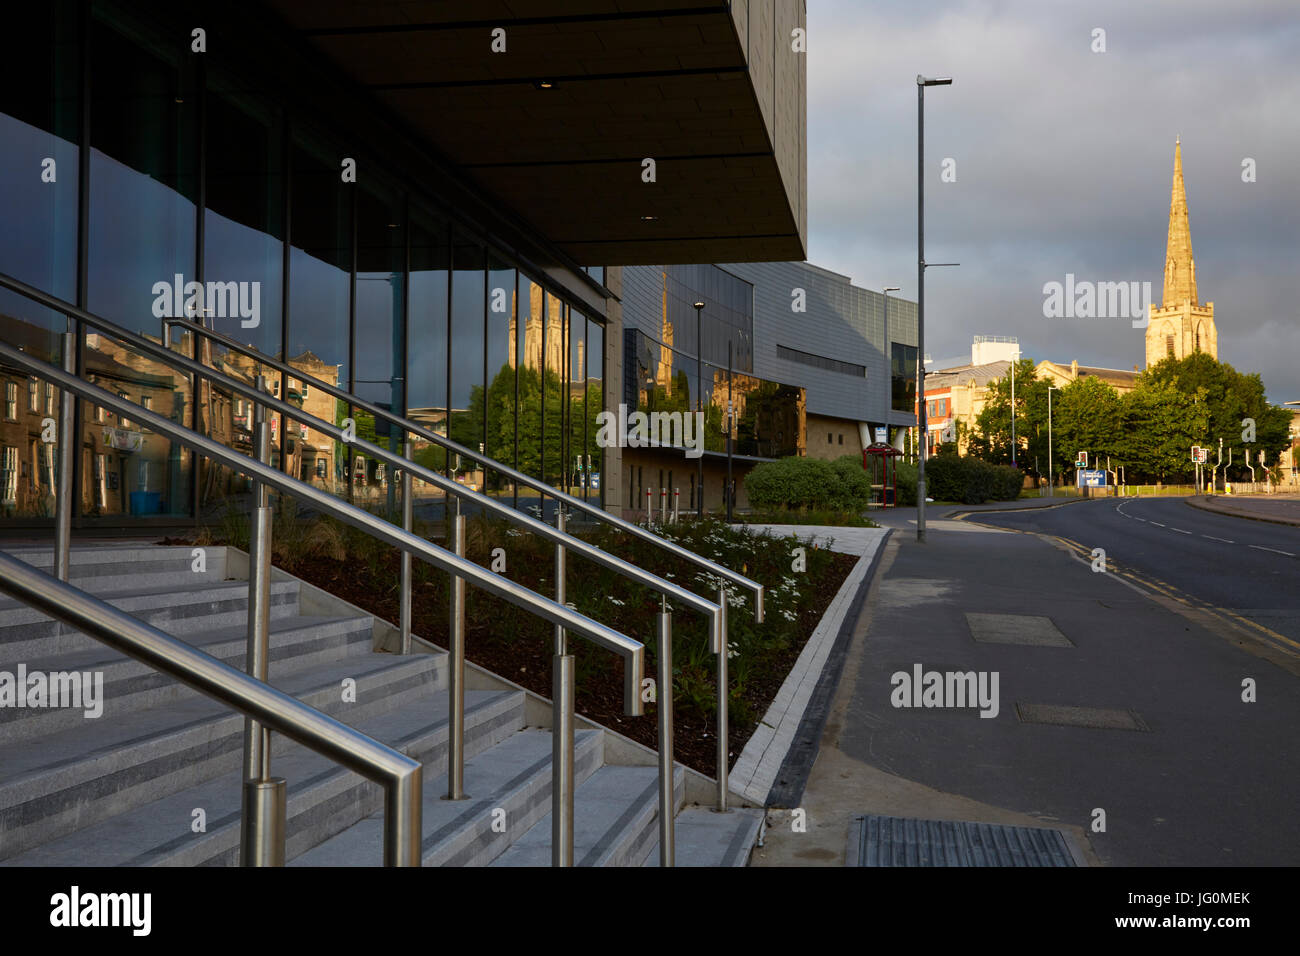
26 633
296 643
64 781
513 778
615 817
706 838
323 798
106 567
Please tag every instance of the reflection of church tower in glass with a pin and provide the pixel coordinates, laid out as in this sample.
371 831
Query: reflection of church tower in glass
1181 325
664 371
554 339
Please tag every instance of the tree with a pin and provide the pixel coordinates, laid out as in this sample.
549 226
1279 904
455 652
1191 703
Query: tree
1159 424
991 437
1086 416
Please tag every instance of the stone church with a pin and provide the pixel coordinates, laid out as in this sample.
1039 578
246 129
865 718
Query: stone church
1182 325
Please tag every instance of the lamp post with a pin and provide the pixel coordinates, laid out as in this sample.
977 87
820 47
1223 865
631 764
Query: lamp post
1051 468
921 83
699 398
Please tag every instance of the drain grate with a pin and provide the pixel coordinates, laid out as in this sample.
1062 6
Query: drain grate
1097 718
1025 629
902 841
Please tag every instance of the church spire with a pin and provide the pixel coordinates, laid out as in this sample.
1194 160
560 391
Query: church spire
1180 267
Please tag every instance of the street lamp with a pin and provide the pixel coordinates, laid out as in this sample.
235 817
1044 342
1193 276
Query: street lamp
699 398
921 83
1051 468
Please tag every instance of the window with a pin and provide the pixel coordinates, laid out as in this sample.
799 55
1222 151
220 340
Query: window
33 395
1169 345
841 438
9 475
830 439
49 398
11 401
147 402
99 414
122 419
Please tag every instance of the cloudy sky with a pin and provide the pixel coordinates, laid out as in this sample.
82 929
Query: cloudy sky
1064 161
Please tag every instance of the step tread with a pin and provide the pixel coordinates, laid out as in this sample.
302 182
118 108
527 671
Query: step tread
142 835
603 808
101 655
705 838
490 779
99 738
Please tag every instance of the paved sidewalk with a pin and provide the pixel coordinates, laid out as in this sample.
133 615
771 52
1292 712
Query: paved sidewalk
1279 509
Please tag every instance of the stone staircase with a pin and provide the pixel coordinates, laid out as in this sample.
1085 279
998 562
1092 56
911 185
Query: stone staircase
155 779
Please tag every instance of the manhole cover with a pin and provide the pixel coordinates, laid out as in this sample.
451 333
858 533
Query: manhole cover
1028 629
1099 718
902 841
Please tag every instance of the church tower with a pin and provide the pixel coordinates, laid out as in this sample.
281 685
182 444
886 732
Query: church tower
1181 325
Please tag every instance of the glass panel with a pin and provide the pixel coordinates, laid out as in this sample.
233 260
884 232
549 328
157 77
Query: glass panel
554 452
902 372
141 263
467 334
595 403
426 375
39 118
528 346
500 370
575 392
320 266
378 331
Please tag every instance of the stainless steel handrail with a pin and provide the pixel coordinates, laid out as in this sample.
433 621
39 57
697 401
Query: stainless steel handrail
505 470
613 562
630 650
399 774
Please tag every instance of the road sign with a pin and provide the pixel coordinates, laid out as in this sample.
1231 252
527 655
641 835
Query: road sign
1093 479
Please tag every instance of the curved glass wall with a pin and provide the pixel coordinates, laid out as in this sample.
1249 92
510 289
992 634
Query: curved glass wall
212 199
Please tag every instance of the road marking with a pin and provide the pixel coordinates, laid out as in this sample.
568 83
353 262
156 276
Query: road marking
1260 547
1157 524
1135 518
1213 538
1180 530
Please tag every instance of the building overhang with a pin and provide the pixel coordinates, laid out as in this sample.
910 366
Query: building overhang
556 127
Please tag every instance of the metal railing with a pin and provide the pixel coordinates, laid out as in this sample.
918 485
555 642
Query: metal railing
718 631
398 773
261 800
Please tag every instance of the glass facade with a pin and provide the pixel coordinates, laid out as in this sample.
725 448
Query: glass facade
902 376
195 188
769 419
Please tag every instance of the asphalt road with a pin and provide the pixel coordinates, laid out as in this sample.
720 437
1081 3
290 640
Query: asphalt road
1250 568
1200 777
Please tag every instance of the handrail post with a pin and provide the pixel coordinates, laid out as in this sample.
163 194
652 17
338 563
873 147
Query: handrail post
562 694
667 822
67 447
663 505
456 663
263 831
724 698
408 520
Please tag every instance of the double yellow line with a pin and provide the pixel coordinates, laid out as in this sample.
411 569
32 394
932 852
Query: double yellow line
1255 630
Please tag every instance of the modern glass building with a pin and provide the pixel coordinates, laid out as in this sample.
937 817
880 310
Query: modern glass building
817 366
391 206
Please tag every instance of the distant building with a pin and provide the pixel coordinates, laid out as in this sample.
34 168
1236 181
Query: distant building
1182 325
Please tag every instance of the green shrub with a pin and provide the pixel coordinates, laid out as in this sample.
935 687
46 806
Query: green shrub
809 483
970 480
